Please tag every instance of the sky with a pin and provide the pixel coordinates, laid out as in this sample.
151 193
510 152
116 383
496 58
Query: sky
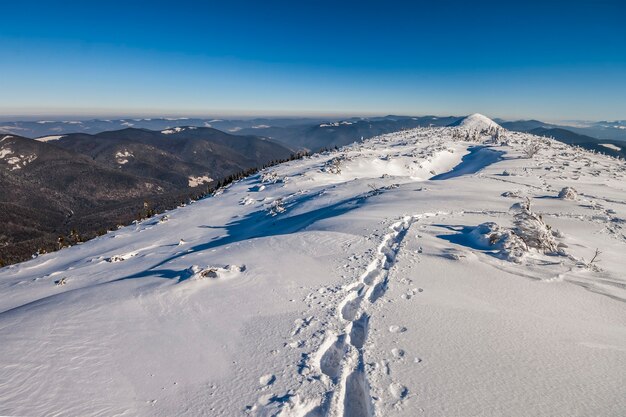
550 60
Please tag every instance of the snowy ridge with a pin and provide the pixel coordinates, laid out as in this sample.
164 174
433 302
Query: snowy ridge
415 273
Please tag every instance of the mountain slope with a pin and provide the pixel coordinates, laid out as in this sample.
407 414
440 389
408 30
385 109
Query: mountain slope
175 155
614 148
88 184
414 273
524 125
46 191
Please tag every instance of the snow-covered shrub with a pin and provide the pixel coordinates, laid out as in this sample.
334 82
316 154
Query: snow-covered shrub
491 236
271 177
532 148
533 231
568 193
276 207
529 232
247 200
333 166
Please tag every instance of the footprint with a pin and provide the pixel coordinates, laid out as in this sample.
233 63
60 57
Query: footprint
350 306
377 291
371 276
358 331
357 401
397 329
266 380
332 354
397 353
398 391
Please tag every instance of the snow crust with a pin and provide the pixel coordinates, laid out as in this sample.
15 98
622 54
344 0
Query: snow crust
406 275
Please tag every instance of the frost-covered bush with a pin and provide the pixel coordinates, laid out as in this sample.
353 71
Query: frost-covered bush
533 231
529 232
276 207
247 200
491 236
270 177
568 193
532 148
333 166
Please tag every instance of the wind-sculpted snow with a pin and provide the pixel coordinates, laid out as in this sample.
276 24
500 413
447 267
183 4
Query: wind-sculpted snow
423 272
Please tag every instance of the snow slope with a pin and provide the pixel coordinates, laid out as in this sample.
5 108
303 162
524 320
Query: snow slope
379 280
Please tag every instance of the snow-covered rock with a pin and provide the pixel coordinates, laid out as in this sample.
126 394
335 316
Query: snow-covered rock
568 193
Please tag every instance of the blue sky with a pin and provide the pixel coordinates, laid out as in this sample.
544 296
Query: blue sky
550 60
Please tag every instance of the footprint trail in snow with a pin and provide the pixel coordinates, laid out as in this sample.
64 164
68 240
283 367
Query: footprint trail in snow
340 359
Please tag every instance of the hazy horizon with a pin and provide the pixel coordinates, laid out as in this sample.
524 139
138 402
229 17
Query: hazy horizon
248 116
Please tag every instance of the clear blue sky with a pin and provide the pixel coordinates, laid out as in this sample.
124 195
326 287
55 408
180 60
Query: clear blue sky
549 60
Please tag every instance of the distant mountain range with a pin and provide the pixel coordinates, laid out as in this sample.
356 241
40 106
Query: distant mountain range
34 129
329 134
304 132
176 156
609 147
75 176
600 130
308 133
569 135
87 183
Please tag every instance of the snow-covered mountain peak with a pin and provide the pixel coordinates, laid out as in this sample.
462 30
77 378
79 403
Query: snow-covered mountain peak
477 121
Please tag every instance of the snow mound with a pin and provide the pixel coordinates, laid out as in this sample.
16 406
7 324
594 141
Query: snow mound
568 193
504 241
476 121
196 272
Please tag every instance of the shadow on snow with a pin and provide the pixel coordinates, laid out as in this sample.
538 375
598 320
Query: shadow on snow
478 158
256 225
